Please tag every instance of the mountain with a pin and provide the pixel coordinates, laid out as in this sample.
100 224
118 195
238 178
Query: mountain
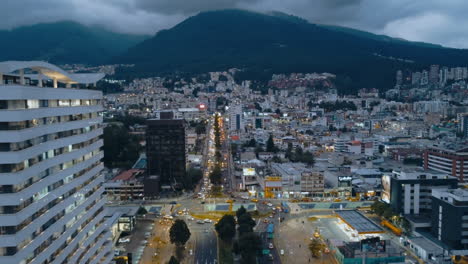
276 42
64 42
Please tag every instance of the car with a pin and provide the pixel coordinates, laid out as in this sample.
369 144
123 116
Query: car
173 202
206 231
200 222
202 202
207 221
282 252
270 204
271 216
265 220
147 234
191 252
124 240
270 257
270 246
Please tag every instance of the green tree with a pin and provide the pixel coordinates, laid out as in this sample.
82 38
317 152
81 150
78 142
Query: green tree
270 145
121 148
192 177
215 175
298 154
179 233
315 247
381 149
308 158
276 159
226 228
173 260
142 211
241 211
249 245
251 143
246 223
258 150
379 208
388 213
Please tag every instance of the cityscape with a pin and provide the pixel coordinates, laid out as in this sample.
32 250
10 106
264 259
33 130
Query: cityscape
232 136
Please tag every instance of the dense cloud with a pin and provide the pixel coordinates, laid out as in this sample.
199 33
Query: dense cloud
436 21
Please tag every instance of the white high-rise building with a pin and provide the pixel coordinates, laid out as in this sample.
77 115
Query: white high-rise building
51 186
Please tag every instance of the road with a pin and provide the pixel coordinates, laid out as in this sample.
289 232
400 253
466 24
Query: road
205 244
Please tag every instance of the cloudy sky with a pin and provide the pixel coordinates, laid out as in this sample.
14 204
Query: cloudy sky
437 21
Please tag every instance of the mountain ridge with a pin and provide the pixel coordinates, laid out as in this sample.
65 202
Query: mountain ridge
218 40
64 42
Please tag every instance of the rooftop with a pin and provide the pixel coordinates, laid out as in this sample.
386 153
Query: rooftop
49 71
358 222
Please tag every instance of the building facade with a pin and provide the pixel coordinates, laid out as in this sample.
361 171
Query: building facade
51 186
450 159
166 155
410 191
450 219
236 120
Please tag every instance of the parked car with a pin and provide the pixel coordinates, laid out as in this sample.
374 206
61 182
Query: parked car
124 240
270 246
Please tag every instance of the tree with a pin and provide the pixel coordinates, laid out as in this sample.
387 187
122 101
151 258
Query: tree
192 177
388 213
179 233
226 228
121 148
276 159
240 211
298 154
258 150
379 208
249 245
236 248
278 111
308 158
142 211
215 175
246 223
200 128
251 143
316 247
173 260
381 149
270 145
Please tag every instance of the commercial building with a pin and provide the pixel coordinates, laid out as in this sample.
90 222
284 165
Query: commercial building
166 154
409 191
236 120
463 124
450 219
298 180
371 251
51 187
448 158
128 185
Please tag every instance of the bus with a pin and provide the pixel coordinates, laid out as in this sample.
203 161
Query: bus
285 207
270 228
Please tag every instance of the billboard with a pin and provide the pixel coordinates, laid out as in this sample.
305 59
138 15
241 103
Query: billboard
386 188
248 172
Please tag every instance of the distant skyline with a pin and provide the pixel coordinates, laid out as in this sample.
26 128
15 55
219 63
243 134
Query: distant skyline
434 21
